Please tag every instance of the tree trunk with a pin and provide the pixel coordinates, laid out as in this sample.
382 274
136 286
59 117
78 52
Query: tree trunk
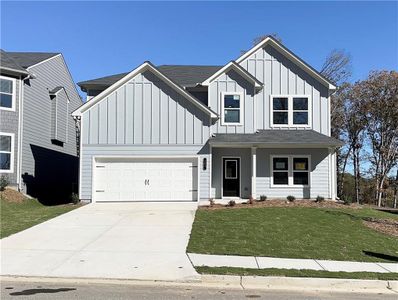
379 196
357 177
396 190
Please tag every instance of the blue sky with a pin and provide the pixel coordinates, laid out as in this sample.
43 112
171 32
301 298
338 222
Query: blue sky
102 38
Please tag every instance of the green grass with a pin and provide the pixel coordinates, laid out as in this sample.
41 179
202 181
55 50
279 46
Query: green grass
296 232
16 217
297 273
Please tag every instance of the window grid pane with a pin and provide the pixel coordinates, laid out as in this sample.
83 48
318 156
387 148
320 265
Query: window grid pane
300 178
5 143
5 100
5 161
281 178
5 86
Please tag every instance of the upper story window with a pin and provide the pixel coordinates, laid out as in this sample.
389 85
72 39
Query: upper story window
290 111
7 93
231 109
6 152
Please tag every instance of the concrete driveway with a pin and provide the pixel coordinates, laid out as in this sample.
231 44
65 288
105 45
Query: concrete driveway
106 240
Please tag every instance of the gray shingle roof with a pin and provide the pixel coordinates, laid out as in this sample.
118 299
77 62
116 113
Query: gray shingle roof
183 75
6 61
28 59
277 137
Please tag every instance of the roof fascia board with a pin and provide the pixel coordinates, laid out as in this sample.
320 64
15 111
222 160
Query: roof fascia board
15 70
142 68
268 145
298 61
236 67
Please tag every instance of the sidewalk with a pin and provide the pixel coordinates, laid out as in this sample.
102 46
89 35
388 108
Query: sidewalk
253 262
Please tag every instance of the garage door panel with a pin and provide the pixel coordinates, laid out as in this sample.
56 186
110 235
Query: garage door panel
146 180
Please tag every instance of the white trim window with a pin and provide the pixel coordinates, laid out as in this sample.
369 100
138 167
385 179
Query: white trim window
231 108
290 111
6 152
7 93
290 170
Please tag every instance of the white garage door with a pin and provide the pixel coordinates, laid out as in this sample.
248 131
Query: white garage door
155 179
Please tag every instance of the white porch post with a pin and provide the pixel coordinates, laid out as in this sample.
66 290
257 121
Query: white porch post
254 172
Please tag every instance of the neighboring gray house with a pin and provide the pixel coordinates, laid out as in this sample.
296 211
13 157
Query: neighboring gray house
259 125
38 150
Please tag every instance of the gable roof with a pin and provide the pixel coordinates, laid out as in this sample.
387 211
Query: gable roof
184 75
28 59
278 137
289 54
146 66
233 65
8 63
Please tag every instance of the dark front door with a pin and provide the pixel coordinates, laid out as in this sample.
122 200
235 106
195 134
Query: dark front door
231 177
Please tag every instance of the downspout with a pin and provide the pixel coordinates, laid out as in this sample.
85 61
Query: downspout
19 156
20 128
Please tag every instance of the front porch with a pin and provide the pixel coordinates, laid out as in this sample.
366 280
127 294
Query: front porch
242 168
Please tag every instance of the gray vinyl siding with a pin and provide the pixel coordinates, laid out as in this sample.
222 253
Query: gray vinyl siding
37 114
319 178
89 151
9 121
280 77
145 111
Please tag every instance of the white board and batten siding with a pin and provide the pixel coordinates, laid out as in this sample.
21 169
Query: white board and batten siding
280 77
144 117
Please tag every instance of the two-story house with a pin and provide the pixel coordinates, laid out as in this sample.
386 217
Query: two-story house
38 146
260 125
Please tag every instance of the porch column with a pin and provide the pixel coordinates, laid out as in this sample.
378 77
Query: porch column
254 172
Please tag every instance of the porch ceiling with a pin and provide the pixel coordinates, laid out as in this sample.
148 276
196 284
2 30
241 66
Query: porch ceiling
276 138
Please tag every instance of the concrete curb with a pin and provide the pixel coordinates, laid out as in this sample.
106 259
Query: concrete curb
240 282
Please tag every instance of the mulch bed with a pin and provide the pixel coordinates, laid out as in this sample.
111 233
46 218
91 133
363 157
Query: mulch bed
386 226
281 203
11 195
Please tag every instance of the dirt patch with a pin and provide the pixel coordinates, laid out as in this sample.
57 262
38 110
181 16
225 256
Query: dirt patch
386 226
11 195
281 203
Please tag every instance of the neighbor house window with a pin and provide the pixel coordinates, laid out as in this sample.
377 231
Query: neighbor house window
232 108
7 93
6 152
290 111
290 170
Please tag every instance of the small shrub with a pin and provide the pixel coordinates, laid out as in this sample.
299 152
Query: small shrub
75 198
231 203
263 198
290 198
347 200
251 200
319 199
3 182
211 202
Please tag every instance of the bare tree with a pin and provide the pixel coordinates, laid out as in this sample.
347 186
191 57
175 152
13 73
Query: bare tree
354 127
337 66
263 37
379 94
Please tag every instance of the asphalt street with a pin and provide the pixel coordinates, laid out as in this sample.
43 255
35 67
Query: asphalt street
64 291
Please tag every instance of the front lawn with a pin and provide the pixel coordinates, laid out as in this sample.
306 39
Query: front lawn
293 232
17 216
